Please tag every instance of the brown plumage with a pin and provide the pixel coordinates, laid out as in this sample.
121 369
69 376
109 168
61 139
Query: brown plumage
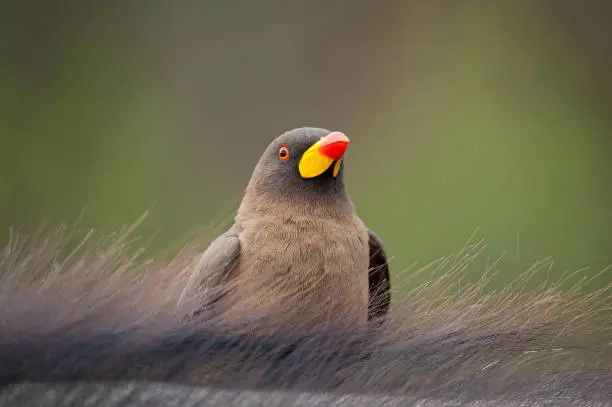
297 244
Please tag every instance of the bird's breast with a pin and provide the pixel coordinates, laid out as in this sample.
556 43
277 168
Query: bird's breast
318 264
335 246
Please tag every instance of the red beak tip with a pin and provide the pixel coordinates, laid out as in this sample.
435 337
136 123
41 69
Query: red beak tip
334 145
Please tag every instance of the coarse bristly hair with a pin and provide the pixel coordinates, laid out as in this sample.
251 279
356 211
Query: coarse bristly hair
99 313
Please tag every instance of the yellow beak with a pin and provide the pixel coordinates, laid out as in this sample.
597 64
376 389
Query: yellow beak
320 156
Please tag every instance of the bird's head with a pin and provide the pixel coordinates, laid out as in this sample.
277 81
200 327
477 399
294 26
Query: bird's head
302 164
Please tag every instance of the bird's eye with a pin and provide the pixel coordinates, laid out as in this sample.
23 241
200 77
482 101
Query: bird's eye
283 153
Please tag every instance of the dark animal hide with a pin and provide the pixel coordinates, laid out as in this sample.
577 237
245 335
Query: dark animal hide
95 325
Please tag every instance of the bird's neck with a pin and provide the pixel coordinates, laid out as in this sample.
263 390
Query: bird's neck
280 205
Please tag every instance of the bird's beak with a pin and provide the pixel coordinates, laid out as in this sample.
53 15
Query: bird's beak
320 156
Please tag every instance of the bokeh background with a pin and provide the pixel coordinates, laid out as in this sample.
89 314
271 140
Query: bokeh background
488 115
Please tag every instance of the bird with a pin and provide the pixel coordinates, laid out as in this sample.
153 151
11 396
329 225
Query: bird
297 243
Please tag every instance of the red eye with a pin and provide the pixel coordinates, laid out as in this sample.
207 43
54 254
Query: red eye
283 153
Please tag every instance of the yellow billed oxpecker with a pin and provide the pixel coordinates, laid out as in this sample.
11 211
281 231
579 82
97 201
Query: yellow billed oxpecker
297 242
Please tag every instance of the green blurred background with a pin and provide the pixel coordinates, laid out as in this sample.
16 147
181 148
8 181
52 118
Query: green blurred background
481 114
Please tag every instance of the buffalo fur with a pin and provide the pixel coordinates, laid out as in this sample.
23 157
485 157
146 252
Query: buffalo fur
97 311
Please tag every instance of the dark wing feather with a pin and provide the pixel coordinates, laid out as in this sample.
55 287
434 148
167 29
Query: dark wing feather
379 279
217 261
215 267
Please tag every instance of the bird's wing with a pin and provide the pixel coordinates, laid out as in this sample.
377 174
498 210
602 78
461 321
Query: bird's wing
379 279
216 264
219 258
